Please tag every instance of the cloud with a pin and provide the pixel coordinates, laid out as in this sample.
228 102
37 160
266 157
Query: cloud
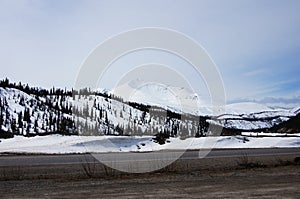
256 72
254 43
273 100
279 86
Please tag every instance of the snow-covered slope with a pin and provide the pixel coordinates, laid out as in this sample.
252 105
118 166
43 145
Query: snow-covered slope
57 144
183 100
101 114
296 110
30 115
252 116
243 116
178 99
26 114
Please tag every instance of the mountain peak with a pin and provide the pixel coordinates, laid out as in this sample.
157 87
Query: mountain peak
178 99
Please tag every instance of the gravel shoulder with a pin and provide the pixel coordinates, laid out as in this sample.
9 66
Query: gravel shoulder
275 182
271 176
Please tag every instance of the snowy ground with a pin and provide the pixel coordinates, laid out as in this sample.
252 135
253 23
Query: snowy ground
262 134
58 144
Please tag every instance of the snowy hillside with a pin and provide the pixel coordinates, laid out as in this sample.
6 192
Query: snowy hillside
251 116
296 110
242 116
26 114
57 144
30 111
177 99
34 111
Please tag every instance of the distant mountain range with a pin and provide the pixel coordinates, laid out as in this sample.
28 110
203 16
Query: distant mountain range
35 111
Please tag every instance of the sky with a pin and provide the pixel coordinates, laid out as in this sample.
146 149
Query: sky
255 44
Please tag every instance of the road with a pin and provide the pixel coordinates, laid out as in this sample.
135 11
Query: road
23 160
215 176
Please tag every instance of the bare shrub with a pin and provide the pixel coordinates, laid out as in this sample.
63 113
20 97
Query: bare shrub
244 162
89 168
13 173
109 172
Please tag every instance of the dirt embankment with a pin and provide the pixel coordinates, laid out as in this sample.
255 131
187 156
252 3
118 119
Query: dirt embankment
241 177
275 182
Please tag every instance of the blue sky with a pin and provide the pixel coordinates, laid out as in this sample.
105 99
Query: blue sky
255 44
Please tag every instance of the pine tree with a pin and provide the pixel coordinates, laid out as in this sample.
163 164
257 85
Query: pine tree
13 126
7 117
106 118
28 130
101 114
36 126
20 120
27 115
1 118
92 114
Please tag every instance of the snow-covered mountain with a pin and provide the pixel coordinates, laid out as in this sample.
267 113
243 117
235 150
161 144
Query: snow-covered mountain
242 116
153 109
29 112
177 99
183 100
252 116
296 110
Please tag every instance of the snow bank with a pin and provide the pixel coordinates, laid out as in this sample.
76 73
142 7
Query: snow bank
58 144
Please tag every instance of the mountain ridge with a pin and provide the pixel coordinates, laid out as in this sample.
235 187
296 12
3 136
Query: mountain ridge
30 111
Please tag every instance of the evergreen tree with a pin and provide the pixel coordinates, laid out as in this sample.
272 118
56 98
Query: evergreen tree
1 118
13 126
20 120
36 126
27 115
106 118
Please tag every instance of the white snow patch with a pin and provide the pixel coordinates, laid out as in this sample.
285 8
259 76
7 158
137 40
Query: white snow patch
58 144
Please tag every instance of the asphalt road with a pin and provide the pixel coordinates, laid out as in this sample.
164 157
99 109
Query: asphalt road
23 160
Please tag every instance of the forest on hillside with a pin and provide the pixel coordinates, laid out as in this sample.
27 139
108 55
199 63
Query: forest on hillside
32 111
